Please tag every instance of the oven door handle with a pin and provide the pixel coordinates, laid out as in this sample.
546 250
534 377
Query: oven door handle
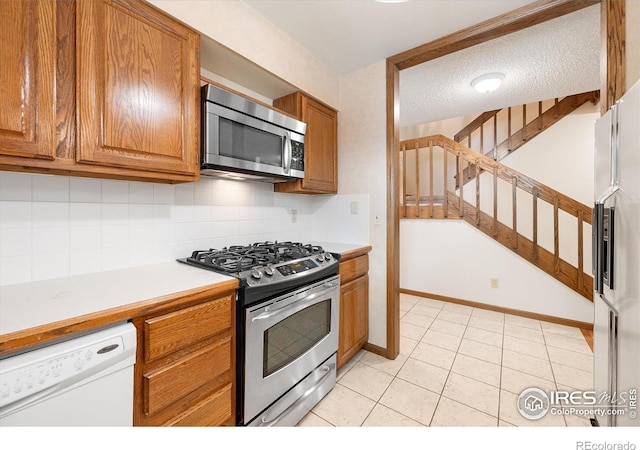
327 370
303 301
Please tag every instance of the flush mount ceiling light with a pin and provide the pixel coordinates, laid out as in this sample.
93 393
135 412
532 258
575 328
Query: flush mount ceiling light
488 83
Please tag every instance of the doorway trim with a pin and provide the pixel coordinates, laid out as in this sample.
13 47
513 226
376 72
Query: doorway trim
516 20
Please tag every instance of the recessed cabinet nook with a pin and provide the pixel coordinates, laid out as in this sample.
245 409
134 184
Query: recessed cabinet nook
103 88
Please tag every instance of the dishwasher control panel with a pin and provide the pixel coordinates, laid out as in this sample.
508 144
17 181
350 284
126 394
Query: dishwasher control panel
59 365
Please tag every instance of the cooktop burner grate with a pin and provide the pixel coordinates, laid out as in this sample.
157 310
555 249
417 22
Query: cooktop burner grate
238 258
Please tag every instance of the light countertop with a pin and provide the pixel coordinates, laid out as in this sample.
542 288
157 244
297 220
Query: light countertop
335 247
29 305
51 306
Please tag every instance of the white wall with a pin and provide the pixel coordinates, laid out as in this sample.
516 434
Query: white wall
561 158
632 27
242 29
54 226
447 127
454 259
362 171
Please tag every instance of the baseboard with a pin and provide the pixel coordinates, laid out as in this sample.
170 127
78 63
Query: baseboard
515 312
376 349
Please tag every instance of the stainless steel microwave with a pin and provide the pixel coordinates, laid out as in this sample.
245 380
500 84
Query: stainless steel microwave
242 139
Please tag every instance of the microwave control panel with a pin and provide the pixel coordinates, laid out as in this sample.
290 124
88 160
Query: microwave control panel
297 155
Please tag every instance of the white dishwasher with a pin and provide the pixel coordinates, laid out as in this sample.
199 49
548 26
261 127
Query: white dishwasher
84 381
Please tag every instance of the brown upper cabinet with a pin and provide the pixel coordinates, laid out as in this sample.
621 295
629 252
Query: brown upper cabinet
320 145
112 86
27 80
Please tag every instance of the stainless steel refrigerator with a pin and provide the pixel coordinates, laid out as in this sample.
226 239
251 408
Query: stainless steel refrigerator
616 262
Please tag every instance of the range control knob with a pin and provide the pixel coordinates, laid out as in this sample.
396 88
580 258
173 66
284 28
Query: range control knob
256 274
269 271
320 258
327 256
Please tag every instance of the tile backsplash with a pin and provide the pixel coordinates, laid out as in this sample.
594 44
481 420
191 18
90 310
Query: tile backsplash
54 226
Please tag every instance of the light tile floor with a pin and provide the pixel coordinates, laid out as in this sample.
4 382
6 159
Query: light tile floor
458 366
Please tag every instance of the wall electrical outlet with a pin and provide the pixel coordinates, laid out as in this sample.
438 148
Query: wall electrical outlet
376 219
354 208
294 216
494 283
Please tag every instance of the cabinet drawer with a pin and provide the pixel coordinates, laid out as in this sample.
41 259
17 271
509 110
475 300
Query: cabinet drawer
173 331
354 268
170 383
213 411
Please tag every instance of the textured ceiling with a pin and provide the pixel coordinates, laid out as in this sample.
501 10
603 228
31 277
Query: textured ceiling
350 34
556 58
553 59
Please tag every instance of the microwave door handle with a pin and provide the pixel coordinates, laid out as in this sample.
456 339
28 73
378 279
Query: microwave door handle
286 153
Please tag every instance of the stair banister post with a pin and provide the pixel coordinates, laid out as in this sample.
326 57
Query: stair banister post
514 196
495 137
509 129
534 191
445 154
404 180
580 251
477 165
431 176
417 148
556 235
524 122
495 201
460 161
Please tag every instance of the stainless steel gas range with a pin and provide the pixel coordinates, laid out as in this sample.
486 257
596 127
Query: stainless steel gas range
287 327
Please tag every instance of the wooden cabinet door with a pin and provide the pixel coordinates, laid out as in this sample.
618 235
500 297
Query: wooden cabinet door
320 145
137 88
354 318
27 78
321 156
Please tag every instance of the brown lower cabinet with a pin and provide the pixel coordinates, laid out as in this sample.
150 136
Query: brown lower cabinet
354 306
185 364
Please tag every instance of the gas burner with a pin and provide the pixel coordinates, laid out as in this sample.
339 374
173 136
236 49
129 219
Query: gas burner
239 258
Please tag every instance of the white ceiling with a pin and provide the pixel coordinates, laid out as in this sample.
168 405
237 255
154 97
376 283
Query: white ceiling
556 58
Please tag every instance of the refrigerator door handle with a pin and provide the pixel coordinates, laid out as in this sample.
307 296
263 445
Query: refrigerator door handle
596 241
602 239
613 364
614 170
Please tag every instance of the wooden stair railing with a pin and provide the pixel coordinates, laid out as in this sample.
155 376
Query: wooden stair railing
499 122
430 167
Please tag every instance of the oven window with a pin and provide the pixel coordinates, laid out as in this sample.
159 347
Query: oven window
288 339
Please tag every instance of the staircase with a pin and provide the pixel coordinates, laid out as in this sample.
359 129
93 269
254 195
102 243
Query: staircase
515 210
492 134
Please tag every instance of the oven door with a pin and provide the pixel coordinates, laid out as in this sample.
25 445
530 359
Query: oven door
286 339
